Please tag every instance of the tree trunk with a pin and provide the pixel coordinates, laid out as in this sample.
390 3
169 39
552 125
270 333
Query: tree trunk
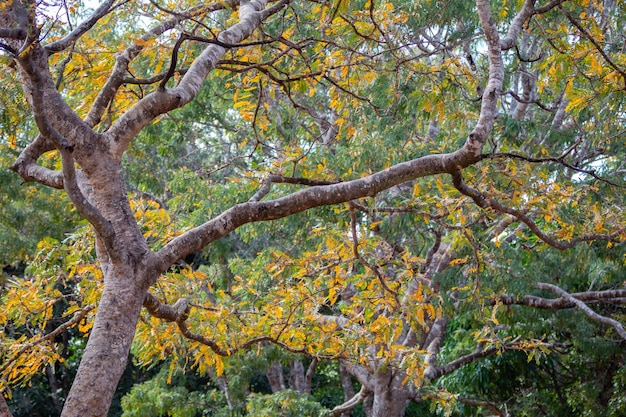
107 350
390 396
346 383
389 404
297 376
275 377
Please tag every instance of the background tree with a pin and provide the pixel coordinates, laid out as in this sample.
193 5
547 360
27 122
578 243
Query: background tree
365 103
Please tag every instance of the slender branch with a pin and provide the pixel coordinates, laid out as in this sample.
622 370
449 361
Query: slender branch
559 160
535 101
478 353
584 308
492 203
480 403
170 72
595 43
357 255
549 6
78 316
62 44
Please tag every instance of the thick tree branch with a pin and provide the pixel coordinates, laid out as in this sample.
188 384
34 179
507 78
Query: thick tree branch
26 164
488 110
4 408
584 308
280 179
608 296
249 212
518 22
14 14
102 226
84 207
177 312
433 345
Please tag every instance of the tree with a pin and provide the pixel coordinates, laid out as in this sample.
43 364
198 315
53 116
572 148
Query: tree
326 88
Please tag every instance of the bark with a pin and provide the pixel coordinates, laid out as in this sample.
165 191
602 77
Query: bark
585 308
296 376
348 392
106 353
4 408
300 379
275 377
390 395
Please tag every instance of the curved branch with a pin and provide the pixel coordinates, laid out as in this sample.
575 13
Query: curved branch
351 403
549 6
252 211
608 296
492 203
584 308
478 353
26 164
